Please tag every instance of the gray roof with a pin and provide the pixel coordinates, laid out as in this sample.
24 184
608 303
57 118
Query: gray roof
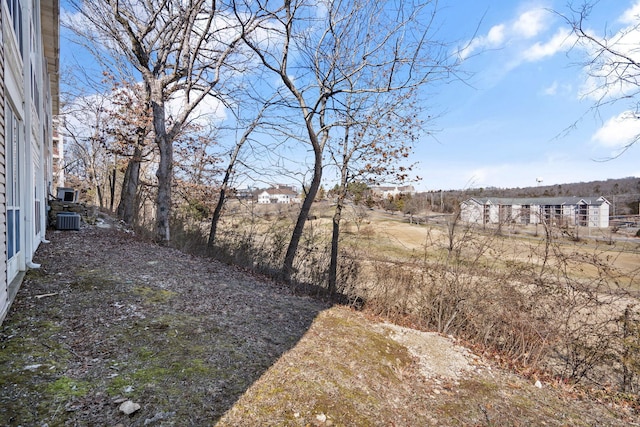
540 201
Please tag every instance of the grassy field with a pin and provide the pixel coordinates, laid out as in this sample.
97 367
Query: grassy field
562 301
382 235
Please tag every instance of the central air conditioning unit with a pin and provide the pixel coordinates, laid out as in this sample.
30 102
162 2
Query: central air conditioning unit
68 221
66 194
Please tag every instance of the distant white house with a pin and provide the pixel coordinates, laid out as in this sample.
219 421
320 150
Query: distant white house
392 191
582 211
280 194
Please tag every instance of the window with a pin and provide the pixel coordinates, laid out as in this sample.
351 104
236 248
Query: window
13 133
35 90
15 12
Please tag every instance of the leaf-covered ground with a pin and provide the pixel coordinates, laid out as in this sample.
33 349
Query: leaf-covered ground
109 318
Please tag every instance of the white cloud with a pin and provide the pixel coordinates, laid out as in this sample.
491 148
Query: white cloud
527 25
208 110
618 131
610 76
83 114
530 23
494 39
479 177
496 35
556 88
554 169
551 90
632 15
560 41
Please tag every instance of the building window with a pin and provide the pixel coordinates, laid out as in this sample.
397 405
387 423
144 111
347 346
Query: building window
35 91
13 132
15 12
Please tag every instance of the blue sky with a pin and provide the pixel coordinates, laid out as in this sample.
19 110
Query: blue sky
508 125
511 122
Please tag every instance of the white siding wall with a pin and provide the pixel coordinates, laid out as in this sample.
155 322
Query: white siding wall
264 197
471 211
4 292
24 68
494 214
604 215
569 214
516 212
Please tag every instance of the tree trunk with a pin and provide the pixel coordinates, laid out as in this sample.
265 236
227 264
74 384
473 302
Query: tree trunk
127 206
335 236
99 195
112 188
217 212
165 166
337 216
287 267
163 198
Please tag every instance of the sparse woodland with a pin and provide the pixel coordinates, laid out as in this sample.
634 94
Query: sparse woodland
310 97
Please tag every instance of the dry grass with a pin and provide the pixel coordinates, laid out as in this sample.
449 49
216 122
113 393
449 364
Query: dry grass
346 371
543 300
391 237
110 317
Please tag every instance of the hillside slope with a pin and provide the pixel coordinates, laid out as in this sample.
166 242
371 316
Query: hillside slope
111 320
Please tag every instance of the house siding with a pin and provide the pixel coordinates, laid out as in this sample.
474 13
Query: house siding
471 211
278 195
4 291
31 114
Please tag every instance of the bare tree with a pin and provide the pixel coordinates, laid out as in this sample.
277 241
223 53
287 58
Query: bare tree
195 167
87 156
230 169
182 52
324 50
379 132
129 123
611 63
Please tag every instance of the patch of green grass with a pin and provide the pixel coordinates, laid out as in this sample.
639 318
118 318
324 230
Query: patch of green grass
65 388
117 385
145 353
27 362
45 352
34 273
166 382
93 279
154 295
384 352
169 358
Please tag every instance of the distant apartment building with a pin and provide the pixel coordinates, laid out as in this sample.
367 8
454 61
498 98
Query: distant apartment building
581 211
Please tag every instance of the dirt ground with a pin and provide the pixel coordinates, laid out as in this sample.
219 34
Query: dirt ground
112 324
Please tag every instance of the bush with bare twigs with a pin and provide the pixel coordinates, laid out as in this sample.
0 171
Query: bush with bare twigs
546 303
542 307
